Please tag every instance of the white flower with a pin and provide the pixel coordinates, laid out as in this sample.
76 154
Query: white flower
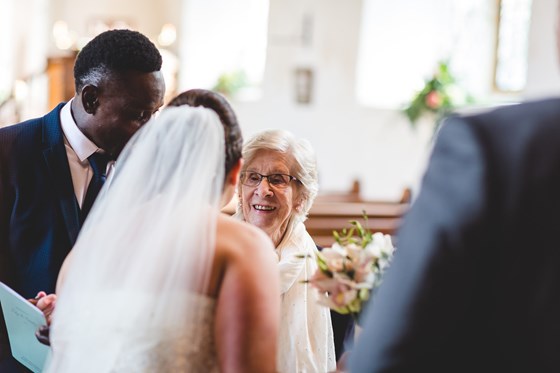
337 248
334 258
381 245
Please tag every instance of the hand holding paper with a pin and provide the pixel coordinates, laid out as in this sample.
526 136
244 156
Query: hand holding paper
45 303
22 321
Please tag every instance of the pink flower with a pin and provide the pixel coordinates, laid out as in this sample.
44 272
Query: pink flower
339 295
364 273
339 290
334 259
433 100
343 297
323 283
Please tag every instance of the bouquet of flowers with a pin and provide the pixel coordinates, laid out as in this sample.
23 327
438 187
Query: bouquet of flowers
350 269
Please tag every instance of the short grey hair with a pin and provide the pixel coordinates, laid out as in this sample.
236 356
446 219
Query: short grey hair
305 163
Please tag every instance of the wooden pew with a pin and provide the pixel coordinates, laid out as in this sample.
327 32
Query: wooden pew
334 211
325 217
354 195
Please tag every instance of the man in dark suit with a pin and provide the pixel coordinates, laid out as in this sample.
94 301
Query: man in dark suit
475 281
51 168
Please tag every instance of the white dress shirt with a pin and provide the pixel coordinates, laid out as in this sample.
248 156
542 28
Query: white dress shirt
78 149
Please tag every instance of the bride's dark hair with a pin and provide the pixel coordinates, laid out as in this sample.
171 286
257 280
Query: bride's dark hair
216 102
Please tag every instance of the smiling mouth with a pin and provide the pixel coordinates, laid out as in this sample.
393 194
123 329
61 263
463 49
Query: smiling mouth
263 208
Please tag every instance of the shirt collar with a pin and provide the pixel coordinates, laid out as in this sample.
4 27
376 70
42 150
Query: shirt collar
83 146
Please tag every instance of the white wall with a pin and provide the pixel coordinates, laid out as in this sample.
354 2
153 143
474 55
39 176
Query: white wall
24 41
377 146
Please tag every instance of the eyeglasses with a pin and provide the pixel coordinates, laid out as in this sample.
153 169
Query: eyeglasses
253 179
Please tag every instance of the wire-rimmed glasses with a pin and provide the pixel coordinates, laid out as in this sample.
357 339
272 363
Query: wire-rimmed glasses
253 179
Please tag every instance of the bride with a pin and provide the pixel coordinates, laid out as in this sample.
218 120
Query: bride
159 280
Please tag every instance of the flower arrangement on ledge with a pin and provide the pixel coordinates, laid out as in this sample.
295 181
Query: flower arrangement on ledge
350 269
229 84
439 96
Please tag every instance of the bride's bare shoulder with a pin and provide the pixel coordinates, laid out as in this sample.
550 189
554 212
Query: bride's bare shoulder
235 236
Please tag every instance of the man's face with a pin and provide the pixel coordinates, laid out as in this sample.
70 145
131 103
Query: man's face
126 101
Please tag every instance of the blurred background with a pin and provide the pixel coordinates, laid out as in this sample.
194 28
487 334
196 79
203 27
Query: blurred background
366 81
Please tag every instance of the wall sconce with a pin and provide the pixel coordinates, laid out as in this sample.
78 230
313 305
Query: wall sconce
21 91
167 35
64 38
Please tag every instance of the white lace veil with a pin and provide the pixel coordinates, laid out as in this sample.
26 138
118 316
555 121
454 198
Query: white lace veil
146 248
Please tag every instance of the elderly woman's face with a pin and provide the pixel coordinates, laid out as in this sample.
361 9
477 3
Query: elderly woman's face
267 206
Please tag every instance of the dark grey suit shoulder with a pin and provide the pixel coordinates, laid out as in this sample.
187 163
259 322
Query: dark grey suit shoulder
475 279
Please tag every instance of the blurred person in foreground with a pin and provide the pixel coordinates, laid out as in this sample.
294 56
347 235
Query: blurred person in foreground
277 187
474 284
181 286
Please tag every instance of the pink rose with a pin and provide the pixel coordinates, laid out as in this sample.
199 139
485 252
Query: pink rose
322 282
343 297
334 259
433 100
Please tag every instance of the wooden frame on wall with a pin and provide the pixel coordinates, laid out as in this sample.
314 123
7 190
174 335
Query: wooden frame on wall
521 41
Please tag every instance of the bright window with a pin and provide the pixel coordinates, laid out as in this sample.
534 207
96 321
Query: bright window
7 61
513 39
401 42
224 41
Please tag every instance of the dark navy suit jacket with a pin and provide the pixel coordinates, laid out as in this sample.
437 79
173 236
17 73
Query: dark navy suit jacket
39 214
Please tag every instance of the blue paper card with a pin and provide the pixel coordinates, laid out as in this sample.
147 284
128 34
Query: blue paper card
22 320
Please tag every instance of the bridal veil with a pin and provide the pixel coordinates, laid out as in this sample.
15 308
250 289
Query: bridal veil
146 249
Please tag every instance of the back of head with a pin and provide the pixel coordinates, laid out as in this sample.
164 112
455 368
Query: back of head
115 51
217 103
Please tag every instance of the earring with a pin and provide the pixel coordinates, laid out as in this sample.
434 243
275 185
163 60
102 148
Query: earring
299 206
239 204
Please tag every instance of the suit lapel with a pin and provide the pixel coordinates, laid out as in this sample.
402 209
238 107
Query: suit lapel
57 163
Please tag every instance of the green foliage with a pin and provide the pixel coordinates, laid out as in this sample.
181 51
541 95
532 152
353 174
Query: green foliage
348 236
435 97
230 83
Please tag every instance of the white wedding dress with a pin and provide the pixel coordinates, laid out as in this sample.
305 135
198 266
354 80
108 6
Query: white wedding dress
131 300
191 349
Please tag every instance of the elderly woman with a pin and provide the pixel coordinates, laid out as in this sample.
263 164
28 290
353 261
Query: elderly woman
277 187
